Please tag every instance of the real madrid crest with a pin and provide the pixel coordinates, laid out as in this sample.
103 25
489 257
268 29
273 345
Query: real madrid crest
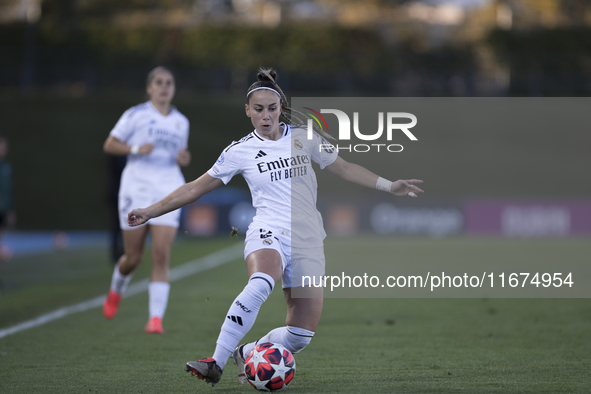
297 144
267 241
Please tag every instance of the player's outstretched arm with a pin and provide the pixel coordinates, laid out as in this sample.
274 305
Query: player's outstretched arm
183 195
357 174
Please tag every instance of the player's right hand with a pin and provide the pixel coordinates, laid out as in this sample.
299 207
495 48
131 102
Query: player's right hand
137 217
146 149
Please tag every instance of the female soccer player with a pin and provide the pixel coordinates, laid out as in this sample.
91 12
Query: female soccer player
154 135
286 233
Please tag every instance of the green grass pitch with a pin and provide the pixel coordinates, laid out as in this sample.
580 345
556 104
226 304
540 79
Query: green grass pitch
361 345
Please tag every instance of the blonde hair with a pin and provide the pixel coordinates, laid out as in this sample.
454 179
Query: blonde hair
267 78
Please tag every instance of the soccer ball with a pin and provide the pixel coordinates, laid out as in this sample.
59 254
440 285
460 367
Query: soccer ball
269 367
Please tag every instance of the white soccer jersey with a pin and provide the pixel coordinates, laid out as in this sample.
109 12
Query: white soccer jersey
158 171
281 180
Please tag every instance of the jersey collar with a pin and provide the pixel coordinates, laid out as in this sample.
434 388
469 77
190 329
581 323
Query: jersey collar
286 131
151 105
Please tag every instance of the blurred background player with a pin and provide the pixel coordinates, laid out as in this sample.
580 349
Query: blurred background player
154 136
287 229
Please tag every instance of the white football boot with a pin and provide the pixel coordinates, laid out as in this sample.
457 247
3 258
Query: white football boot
239 361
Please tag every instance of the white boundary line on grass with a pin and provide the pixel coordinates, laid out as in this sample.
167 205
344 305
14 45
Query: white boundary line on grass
192 267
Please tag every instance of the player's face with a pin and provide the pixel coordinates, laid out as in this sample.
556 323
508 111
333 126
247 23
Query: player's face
161 89
264 110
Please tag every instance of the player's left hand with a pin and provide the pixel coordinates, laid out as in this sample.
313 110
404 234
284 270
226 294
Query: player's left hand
137 217
184 158
406 187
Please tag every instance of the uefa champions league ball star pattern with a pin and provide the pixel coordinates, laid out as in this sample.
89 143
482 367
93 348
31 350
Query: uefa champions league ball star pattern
269 367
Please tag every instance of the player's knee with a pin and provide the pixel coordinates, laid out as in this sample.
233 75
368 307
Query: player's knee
132 258
297 339
160 257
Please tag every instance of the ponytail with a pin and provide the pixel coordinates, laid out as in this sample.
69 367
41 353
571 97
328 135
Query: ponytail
267 79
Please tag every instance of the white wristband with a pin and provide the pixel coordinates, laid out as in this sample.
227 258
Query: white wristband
383 184
135 149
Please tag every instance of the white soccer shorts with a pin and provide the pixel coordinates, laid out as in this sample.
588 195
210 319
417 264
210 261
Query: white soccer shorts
296 262
128 202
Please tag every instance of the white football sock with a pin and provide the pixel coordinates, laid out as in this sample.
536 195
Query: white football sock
241 315
158 298
119 281
294 339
